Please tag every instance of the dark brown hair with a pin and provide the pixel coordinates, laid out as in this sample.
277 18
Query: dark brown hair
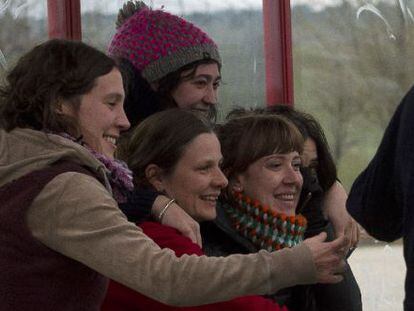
142 101
245 139
51 72
310 128
160 139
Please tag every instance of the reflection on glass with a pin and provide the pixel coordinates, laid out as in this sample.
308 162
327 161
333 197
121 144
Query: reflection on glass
352 65
22 25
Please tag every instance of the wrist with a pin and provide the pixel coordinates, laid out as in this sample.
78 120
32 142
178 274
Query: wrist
161 204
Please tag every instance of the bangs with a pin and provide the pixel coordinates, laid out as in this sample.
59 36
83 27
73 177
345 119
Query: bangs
248 138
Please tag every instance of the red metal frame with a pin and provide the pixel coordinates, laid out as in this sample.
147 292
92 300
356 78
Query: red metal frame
278 52
64 19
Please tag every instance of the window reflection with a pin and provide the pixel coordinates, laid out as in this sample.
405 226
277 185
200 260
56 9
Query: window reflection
22 25
352 65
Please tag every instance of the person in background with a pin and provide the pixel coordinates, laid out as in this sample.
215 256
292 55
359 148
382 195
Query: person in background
177 153
381 198
61 231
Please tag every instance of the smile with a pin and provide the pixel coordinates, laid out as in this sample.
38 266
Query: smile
111 139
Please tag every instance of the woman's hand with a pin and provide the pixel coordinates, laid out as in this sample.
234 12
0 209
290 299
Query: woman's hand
177 218
328 257
334 207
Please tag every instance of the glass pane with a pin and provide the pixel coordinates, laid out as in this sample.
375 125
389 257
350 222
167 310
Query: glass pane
236 27
352 65
23 24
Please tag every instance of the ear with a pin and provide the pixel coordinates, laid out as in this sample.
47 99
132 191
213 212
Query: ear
63 108
154 175
237 183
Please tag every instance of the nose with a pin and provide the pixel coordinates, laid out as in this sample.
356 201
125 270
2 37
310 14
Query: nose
122 120
219 179
211 95
293 176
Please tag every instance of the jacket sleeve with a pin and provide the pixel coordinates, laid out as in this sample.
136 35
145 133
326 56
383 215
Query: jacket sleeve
76 216
121 297
382 191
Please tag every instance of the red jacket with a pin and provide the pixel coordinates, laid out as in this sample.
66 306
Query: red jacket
121 298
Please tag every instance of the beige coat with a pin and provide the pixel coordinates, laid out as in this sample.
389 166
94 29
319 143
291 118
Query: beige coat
76 216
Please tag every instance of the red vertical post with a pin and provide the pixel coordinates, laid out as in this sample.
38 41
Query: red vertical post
64 19
278 52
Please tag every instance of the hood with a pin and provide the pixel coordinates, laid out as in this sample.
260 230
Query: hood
24 150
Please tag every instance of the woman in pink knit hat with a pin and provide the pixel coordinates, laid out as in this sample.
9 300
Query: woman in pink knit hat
168 62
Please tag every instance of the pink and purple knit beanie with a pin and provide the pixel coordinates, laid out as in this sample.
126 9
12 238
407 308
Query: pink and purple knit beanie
158 43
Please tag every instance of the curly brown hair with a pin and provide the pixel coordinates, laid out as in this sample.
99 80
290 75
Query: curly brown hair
52 72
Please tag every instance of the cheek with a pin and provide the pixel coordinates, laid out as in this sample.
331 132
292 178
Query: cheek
186 97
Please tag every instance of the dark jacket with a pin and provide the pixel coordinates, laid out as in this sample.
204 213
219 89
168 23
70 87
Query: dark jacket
221 239
33 276
382 197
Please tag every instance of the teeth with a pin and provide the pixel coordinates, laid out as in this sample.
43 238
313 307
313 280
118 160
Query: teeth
212 198
110 139
286 196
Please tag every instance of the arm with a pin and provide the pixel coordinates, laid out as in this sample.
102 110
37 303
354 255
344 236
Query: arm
382 191
334 207
75 215
121 297
144 203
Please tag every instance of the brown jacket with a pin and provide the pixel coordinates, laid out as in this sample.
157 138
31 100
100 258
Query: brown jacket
76 216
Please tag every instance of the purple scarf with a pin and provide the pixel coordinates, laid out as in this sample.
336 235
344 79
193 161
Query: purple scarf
120 176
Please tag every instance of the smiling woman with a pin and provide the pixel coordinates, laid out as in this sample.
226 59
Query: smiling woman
178 154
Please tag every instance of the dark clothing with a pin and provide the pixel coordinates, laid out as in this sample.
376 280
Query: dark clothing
382 197
33 276
220 239
139 204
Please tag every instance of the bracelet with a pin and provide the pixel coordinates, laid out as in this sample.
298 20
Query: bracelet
164 210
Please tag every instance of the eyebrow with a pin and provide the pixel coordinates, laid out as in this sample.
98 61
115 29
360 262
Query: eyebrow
208 77
114 96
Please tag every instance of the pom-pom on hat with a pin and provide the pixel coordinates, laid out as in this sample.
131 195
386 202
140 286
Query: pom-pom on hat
158 43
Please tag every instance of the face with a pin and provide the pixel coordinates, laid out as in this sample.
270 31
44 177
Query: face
101 114
201 91
310 154
274 180
197 180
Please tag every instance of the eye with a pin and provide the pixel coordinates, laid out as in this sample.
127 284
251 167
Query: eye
200 83
273 165
216 85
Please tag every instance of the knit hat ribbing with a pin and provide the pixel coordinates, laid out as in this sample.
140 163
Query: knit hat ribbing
158 43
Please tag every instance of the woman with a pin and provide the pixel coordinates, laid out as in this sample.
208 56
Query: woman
61 114
169 62
176 153
262 162
320 169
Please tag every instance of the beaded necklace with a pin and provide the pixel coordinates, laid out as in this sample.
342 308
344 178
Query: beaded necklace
265 228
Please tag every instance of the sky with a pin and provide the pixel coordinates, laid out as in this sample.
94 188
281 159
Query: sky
39 8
